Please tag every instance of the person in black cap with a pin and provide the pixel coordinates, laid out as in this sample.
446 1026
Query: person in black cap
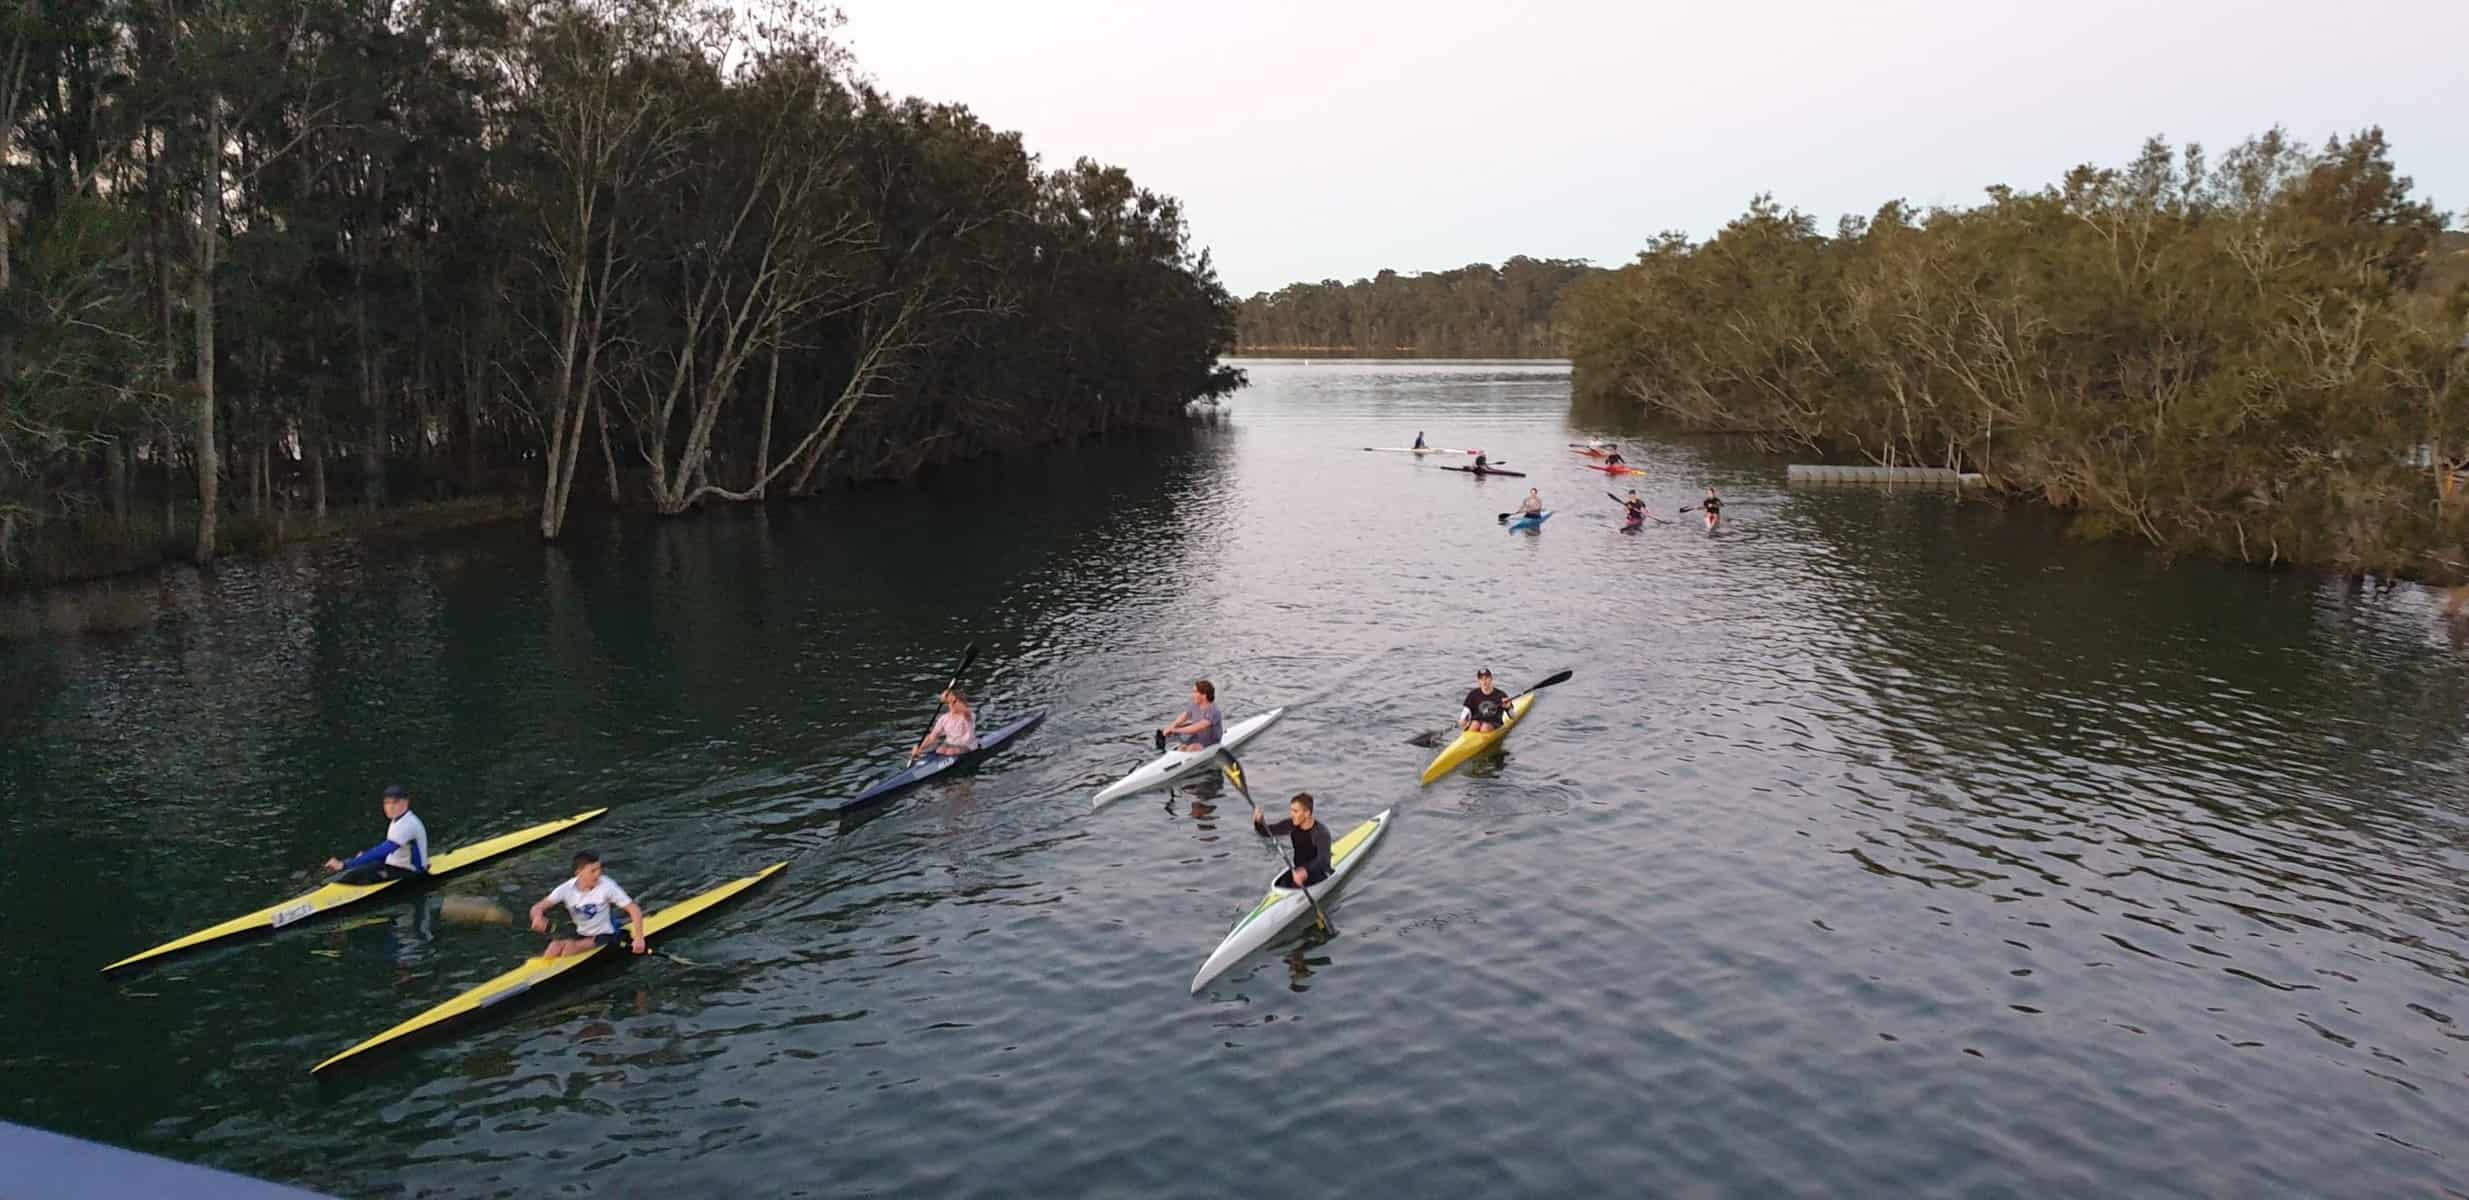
1486 706
404 854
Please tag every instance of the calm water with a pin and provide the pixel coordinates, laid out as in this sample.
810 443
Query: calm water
1880 845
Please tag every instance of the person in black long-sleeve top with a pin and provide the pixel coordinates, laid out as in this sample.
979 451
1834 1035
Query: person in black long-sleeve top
1486 706
1311 842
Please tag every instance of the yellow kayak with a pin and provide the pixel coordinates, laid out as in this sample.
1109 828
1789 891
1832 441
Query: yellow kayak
336 895
1470 742
536 971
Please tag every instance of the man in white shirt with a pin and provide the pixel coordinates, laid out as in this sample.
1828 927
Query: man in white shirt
404 854
593 900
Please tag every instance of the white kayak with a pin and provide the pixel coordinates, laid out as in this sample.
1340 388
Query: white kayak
1284 906
1413 450
1175 764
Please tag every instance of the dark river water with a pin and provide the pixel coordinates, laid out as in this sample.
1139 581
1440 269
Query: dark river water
1881 845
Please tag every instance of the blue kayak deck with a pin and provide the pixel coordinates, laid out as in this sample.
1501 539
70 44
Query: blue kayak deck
941 765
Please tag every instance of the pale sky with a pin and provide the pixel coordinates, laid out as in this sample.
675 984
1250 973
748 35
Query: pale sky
1332 139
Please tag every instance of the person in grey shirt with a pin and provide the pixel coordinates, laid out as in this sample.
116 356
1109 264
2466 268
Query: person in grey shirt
1199 726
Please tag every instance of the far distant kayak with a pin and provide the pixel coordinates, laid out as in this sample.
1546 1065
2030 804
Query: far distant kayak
1487 471
1619 470
930 765
1533 522
1412 450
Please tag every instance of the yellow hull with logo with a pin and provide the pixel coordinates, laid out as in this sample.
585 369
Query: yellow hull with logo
335 895
536 971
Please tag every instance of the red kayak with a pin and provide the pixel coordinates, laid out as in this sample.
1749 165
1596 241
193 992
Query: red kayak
1619 470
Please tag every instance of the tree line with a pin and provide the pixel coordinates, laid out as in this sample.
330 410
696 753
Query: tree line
2260 355
272 253
1475 311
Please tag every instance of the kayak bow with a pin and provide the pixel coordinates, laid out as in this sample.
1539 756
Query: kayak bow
930 765
336 895
1282 906
1471 742
536 971
1175 764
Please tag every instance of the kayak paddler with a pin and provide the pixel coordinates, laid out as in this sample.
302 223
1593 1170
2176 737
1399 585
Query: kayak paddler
1199 726
593 900
1532 506
1311 842
1486 706
1482 462
954 732
1712 506
1636 508
403 854
1614 459
1419 439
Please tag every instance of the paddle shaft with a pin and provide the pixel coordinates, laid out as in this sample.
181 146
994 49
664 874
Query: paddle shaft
1649 516
1234 775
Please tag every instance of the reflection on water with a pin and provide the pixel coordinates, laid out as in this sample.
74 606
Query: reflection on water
1881 844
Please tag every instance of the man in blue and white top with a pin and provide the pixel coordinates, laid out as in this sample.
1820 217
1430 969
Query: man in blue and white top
403 855
593 900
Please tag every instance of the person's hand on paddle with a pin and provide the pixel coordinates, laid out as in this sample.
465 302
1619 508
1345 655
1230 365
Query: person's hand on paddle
1300 876
333 865
639 947
540 924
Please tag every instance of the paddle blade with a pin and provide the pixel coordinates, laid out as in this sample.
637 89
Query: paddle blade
1503 518
1234 775
967 658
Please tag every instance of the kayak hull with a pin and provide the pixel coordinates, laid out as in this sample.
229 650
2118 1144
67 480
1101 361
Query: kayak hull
933 765
1623 469
1412 450
1534 522
1175 764
1470 743
536 971
1487 471
1282 907
336 895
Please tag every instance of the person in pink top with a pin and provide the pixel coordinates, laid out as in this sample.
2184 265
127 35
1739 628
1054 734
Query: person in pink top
954 733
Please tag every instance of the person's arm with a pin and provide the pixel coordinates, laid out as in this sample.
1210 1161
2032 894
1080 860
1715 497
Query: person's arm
374 854
1277 828
1179 725
926 742
540 919
1465 716
634 921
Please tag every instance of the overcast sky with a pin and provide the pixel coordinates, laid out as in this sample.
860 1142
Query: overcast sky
1332 139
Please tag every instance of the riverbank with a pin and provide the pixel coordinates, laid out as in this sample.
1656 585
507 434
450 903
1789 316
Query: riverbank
101 547
2272 375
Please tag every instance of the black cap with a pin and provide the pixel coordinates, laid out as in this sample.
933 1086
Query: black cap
1483 672
394 791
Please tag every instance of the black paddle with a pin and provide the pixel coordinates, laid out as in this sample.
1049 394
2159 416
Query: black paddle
1426 740
967 657
1649 516
1234 775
